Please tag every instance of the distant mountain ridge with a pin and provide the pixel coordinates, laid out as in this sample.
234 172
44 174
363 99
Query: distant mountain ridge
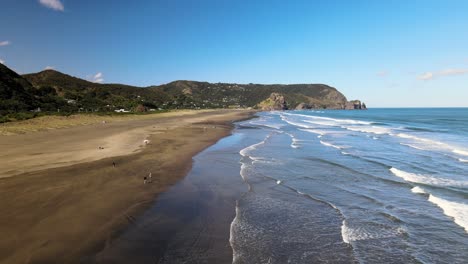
55 90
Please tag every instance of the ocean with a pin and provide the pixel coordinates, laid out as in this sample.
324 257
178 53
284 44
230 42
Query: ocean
375 186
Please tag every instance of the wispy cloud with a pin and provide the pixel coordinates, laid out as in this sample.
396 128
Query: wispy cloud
53 4
382 73
4 43
447 72
453 72
2 61
426 76
98 78
49 68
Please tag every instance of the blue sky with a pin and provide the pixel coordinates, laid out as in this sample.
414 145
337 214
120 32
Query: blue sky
386 53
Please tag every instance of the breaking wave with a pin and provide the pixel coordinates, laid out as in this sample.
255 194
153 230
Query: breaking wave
428 180
458 211
418 190
368 231
330 145
370 129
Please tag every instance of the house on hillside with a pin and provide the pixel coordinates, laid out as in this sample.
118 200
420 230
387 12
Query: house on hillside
121 110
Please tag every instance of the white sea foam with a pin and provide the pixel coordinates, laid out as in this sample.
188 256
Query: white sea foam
294 141
234 222
278 182
419 178
418 190
243 171
321 122
403 135
420 139
332 121
462 160
460 152
431 145
412 146
314 131
246 151
365 232
345 232
297 124
369 129
265 122
329 144
458 211
264 160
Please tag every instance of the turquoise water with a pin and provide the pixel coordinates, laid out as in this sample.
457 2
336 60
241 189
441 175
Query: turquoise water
376 186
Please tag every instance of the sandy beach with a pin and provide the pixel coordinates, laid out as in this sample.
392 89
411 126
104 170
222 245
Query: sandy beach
61 198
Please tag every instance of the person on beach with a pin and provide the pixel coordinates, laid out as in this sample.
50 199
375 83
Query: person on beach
144 180
150 176
113 164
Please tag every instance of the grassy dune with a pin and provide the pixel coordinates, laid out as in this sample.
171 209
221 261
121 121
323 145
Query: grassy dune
55 122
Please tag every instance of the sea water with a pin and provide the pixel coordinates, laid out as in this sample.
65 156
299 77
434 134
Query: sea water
376 186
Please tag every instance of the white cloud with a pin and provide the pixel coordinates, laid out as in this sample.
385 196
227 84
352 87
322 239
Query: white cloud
426 76
2 61
453 72
53 4
98 78
98 75
49 68
4 43
447 72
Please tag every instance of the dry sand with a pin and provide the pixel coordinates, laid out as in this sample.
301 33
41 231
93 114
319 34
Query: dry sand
60 197
62 147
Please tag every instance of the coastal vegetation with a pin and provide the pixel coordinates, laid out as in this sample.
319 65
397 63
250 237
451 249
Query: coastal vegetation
51 92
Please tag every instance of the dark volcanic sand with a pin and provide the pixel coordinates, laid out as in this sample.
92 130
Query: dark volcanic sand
190 223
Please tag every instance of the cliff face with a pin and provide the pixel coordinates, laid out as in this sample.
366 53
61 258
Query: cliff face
276 101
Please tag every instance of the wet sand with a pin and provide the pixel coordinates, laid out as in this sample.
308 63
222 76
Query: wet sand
190 222
67 213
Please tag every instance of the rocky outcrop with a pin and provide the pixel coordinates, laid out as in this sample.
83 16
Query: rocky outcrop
355 105
302 106
316 104
276 101
305 106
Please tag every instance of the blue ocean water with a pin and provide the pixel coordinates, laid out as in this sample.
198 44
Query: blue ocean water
376 186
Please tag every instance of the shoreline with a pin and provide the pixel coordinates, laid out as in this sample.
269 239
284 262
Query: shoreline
62 214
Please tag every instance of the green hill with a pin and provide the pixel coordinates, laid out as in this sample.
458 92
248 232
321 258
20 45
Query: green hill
15 92
250 95
51 90
94 96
